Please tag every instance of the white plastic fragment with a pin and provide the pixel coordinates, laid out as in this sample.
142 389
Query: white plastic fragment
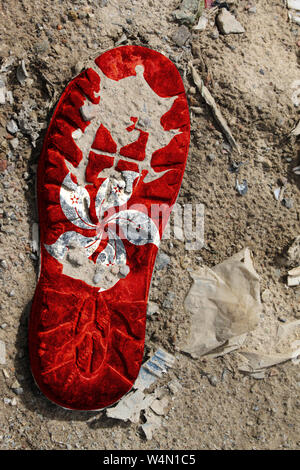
293 4
153 369
153 422
296 170
130 407
224 303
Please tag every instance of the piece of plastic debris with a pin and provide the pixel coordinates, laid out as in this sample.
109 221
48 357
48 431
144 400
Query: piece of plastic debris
242 188
208 98
224 303
153 422
22 73
12 127
228 24
258 363
129 407
294 277
153 369
159 405
293 4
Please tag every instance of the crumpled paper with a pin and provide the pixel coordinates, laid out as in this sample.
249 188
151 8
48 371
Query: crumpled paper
224 303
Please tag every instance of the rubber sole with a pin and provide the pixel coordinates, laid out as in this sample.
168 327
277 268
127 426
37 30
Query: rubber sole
109 173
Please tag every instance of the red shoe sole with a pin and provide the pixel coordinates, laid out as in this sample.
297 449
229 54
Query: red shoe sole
87 323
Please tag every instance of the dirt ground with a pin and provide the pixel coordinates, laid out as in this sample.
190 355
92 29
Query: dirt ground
251 77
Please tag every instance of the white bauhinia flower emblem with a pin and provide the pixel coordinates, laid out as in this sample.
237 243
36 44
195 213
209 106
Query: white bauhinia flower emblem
74 250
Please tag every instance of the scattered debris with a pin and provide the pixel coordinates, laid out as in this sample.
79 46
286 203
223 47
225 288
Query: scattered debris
181 36
2 353
277 192
258 363
242 188
208 98
88 111
153 369
288 202
293 4
228 24
22 73
12 127
129 408
224 303
294 277
188 11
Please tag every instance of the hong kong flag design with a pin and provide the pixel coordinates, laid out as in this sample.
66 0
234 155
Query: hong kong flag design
109 173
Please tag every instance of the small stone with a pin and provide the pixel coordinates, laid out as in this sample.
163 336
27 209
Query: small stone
115 269
16 387
11 293
168 302
3 164
88 112
214 34
181 36
124 270
261 71
252 10
12 127
162 260
211 157
212 380
288 202
228 24
2 92
152 309
3 264
97 278
2 352
14 143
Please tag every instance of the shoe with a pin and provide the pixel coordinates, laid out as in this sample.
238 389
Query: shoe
109 173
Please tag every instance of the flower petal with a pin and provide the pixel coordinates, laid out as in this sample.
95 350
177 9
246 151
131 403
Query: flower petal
137 227
114 252
70 239
114 192
75 203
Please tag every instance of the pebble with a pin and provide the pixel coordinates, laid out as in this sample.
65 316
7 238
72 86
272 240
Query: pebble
124 270
212 380
97 278
181 36
288 202
168 302
2 92
211 157
12 127
228 24
162 260
2 352
14 143
88 112
152 308
3 264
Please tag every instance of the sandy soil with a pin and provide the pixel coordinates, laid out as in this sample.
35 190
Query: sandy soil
251 76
